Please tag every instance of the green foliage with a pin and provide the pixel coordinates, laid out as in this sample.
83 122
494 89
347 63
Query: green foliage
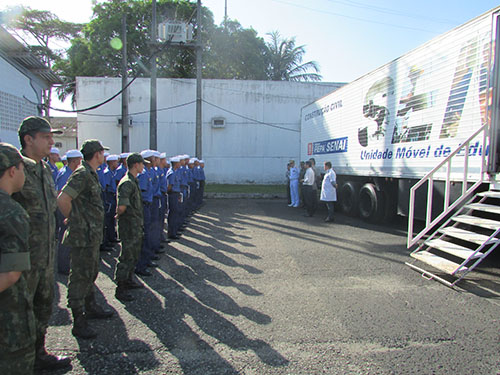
38 28
233 52
285 61
230 51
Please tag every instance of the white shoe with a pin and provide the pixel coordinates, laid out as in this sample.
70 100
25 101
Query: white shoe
290 205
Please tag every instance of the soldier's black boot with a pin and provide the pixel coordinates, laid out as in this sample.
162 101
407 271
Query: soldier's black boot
46 361
131 283
122 293
81 328
94 311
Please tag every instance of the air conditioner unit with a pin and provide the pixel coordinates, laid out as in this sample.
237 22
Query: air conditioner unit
218 122
174 31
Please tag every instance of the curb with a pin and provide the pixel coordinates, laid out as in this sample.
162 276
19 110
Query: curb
245 195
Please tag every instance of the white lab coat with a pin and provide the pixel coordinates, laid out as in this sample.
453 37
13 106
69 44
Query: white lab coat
328 192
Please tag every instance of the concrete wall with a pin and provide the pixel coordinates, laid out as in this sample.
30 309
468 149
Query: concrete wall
262 122
14 87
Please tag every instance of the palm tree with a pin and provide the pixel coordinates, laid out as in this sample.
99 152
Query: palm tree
285 61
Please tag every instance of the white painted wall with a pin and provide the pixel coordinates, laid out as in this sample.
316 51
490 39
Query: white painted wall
14 87
245 151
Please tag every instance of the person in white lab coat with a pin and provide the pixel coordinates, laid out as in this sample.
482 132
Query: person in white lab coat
329 190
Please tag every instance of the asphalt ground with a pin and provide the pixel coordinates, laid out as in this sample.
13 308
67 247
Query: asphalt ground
253 287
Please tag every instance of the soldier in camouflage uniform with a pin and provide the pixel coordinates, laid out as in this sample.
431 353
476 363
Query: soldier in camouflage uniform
130 227
38 198
80 202
17 329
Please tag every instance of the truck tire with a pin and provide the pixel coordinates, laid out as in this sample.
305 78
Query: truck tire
371 203
349 198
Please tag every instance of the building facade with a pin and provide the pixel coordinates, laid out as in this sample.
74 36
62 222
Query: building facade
250 129
23 77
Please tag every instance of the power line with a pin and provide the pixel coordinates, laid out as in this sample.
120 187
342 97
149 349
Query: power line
351 17
391 11
163 46
250 119
141 112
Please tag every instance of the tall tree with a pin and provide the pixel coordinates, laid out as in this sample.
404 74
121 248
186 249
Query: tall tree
233 52
40 30
93 54
285 61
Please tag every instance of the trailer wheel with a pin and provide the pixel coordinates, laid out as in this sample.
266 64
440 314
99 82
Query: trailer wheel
349 198
371 203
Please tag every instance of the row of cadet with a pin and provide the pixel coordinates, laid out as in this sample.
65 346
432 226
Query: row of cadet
29 203
170 188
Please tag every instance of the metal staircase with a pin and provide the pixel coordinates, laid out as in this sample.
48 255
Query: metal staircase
468 228
463 241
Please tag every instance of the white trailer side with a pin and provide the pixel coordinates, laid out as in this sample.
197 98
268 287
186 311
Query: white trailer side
393 125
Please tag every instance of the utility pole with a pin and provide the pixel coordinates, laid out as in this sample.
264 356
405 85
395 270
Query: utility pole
199 49
125 120
225 14
152 107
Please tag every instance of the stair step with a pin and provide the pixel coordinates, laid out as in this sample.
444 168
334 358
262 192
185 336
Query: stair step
477 221
490 194
451 248
484 207
437 262
465 235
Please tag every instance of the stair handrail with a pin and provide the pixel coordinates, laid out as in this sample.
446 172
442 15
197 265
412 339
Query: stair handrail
429 177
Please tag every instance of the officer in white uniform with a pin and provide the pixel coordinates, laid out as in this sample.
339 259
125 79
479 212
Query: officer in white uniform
329 190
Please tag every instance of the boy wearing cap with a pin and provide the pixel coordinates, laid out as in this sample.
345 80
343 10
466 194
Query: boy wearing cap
110 201
38 198
52 159
80 202
130 217
17 341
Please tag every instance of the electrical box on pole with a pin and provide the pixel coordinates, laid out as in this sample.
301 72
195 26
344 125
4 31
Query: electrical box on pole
175 32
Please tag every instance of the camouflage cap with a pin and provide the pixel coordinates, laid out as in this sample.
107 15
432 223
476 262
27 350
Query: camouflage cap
36 124
135 158
9 156
92 145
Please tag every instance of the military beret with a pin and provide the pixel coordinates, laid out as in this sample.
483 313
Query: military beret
36 124
92 145
9 156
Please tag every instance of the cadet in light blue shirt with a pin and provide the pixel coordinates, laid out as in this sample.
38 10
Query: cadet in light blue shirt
294 184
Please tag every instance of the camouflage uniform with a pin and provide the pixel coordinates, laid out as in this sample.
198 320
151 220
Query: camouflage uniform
130 225
38 198
84 233
17 328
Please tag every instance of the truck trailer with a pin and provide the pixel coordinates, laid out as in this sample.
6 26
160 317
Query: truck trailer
386 130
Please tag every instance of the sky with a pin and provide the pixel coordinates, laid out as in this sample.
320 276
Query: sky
347 38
